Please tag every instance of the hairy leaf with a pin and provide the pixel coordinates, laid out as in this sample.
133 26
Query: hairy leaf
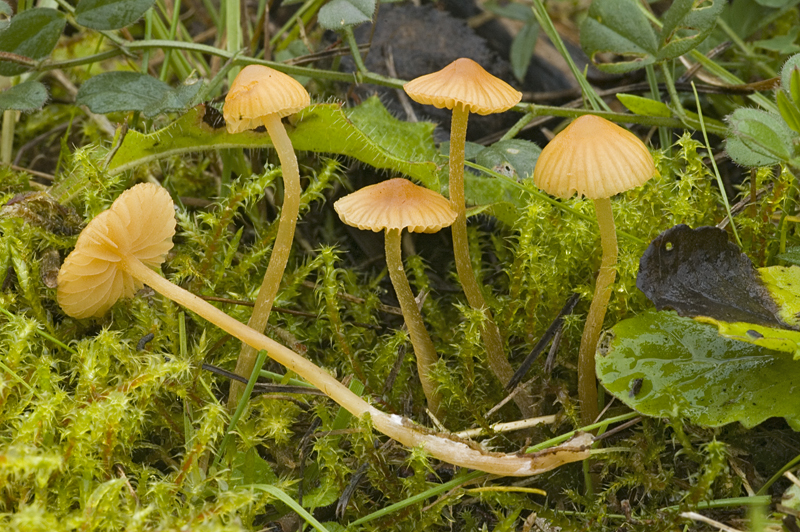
110 14
339 14
132 91
618 27
758 138
27 96
687 23
514 158
33 34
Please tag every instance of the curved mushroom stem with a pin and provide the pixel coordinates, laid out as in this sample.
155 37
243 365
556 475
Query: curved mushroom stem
396 427
423 346
280 250
587 382
498 362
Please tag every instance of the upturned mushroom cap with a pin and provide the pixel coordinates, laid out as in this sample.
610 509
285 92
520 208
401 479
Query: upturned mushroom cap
464 81
594 158
259 91
140 224
396 204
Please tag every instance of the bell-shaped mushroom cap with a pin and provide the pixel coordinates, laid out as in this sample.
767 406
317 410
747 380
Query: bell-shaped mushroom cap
138 225
594 158
396 204
464 81
259 91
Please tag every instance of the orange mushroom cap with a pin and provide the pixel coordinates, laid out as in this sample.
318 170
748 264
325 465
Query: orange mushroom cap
594 158
464 81
259 91
139 224
396 204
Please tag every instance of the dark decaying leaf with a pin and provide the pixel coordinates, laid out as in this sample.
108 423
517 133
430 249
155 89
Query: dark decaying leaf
698 272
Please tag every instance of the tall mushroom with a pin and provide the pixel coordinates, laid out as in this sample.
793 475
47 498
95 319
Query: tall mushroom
262 96
464 87
392 206
597 159
116 253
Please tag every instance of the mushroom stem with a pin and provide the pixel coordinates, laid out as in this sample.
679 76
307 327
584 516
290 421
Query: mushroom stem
280 250
424 350
496 357
587 383
396 427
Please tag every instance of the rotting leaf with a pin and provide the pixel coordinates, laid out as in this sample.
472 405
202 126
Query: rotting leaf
698 272
684 369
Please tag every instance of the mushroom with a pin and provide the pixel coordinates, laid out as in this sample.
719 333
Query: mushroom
116 253
597 159
392 206
262 96
464 86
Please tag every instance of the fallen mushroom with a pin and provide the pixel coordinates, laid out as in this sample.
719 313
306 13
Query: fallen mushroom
262 96
464 86
597 159
115 255
392 206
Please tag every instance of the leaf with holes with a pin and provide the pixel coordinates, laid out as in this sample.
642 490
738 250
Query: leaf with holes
514 157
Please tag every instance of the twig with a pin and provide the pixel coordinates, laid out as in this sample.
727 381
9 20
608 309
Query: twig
707 520
508 427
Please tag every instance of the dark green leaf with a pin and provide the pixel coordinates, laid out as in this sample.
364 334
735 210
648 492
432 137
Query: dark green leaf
513 158
792 256
338 14
33 33
618 27
510 10
110 14
788 110
132 91
665 366
698 272
644 106
28 96
782 44
686 25
776 4
522 48
758 138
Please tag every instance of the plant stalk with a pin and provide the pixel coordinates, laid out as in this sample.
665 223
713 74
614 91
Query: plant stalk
496 357
424 349
396 427
280 250
587 382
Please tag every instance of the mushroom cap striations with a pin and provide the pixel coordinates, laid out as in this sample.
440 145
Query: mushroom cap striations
464 81
259 91
396 204
139 224
594 158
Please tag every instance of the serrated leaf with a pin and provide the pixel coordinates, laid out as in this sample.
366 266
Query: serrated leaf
788 110
33 33
758 138
27 96
662 365
132 91
339 14
686 24
644 106
522 48
110 14
514 157
618 27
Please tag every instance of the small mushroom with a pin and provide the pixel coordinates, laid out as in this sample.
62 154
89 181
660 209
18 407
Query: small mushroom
262 96
392 206
117 252
464 86
597 159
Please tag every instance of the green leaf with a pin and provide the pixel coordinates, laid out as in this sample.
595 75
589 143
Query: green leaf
522 48
788 110
513 158
662 365
321 128
5 9
758 138
792 256
644 106
687 24
33 33
110 14
790 77
288 501
618 27
28 96
511 10
339 14
132 91
776 4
